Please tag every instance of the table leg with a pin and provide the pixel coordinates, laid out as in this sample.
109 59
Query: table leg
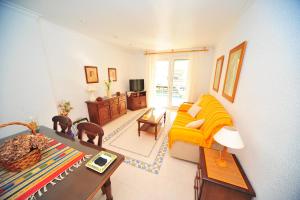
155 132
107 189
139 128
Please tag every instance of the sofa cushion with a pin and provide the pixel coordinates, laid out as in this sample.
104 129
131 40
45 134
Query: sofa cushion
195 124
194 110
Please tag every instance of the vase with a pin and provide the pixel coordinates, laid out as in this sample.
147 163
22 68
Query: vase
108 93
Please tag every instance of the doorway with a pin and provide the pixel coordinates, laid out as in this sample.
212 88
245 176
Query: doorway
170 79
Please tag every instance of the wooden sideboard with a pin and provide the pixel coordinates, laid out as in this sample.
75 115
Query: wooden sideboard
221 183
136 100
102 112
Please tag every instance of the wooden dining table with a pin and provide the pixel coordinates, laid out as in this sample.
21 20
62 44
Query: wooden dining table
82 183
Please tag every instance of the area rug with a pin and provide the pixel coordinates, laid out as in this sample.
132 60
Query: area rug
56 160
142 151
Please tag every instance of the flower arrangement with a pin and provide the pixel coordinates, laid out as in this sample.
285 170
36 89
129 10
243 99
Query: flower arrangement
108 87
16 148
64 108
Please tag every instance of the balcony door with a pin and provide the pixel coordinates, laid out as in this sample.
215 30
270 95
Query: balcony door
170 79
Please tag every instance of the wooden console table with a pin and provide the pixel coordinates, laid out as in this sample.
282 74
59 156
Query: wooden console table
221 183
137 100
102 112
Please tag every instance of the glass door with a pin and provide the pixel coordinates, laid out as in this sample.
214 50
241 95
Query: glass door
170 73
161 81
179 82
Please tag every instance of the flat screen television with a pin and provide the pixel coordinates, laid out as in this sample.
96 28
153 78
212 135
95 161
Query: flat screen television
136 85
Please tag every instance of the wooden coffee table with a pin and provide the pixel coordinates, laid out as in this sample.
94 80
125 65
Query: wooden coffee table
151 118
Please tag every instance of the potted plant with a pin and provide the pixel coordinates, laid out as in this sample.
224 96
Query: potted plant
64 108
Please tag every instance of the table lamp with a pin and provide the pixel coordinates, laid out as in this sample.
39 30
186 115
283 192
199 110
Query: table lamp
92 90
228 137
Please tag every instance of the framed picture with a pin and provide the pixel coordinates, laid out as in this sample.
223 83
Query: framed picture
218 72
233 71
91 74
112 74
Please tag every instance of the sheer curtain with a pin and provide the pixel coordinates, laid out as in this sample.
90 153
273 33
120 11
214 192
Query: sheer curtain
150 73
192 93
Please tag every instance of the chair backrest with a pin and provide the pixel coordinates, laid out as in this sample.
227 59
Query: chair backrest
76 122
92 130
65 124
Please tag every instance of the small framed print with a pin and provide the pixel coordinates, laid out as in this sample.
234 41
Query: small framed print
91 74
218 72
112 74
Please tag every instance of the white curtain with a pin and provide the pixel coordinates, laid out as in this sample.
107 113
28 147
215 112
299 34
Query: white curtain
150 73
192 91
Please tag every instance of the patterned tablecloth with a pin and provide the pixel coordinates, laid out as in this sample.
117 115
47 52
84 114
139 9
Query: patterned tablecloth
57 159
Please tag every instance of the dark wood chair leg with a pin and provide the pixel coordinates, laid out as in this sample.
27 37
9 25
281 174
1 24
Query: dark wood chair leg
139 128
107 188
155 132
103 190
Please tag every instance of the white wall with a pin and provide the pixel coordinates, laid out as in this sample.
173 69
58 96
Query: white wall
42 63
67 52
25 85
267 104
200 77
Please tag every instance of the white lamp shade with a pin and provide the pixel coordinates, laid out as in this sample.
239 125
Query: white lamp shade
229 137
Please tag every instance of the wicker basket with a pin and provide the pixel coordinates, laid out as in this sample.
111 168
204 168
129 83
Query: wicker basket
26 161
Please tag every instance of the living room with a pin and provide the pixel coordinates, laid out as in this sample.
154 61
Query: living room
49 51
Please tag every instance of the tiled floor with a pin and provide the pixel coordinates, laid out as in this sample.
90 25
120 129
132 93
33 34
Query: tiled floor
174 181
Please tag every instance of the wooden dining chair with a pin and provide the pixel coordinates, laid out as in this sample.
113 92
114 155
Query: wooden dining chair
65 124
92 130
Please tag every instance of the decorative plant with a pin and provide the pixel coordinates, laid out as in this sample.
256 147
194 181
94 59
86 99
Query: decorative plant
34 124
108 87
64 108
108 84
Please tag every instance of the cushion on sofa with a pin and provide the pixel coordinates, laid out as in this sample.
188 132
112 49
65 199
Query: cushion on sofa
195 124
194 110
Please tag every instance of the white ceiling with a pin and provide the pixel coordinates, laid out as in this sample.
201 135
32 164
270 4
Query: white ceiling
144 24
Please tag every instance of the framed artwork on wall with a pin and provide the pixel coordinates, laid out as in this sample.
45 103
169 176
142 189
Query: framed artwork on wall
91 74
112 74
218 72
234 66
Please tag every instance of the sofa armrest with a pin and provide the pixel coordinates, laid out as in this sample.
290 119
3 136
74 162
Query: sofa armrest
181 133
185 106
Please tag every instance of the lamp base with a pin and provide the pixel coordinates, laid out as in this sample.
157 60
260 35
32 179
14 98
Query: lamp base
221 162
